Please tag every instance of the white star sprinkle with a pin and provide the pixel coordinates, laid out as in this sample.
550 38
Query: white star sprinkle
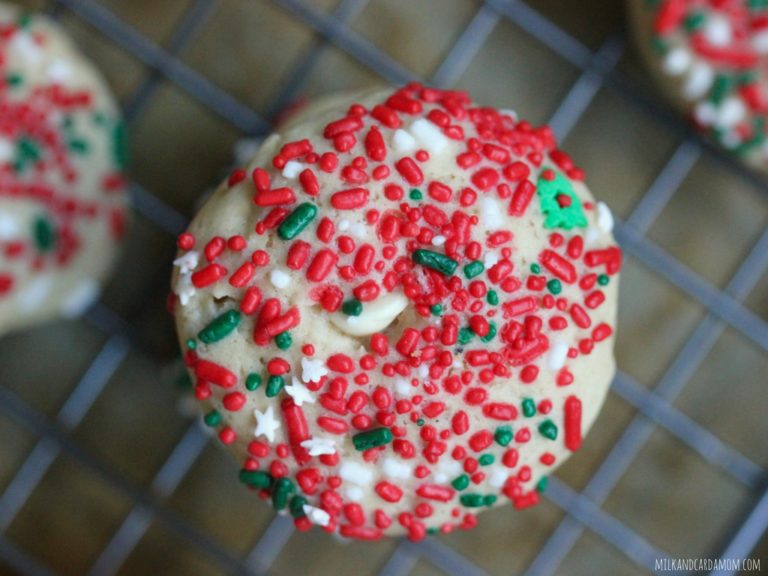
299 393
312 370
266 424
319 446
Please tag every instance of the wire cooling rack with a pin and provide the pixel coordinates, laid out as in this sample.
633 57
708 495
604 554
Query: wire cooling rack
583 509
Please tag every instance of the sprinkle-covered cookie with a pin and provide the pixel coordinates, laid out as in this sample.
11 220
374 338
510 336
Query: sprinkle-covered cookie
62 200
710 56
400 313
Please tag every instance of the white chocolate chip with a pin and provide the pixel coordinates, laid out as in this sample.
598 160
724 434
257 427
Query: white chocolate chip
376 315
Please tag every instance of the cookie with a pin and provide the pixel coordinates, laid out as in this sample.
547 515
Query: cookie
401 313
709 57
62 190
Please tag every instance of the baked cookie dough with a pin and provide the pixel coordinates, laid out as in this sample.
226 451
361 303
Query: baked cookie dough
62 200
400 313
710 58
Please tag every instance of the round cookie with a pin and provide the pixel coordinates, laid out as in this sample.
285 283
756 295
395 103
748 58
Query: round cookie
401 313
62 192
710 57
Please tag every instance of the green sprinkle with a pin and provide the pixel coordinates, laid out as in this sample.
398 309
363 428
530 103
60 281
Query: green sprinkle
548 429
557 216
191 344
489 499
372 438
472 500
220 327
284 340
535 268
78 146
659 46
473 269
541 485
503 435
486 459
465 335
433 530
460 482
274 385
529 407
420 422
352 307
213 418
45 234
296 506
14 80
120 145
694 21
720 89
256 478
252 381
282 491
415 194
603 279
436 261
297 220
436 310
491 332
555 286
492 297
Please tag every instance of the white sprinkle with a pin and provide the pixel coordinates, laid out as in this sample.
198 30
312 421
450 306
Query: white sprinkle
187 262
490 214
677 61
730 139
185 289
403 387
423 371
731 112
429 136
355 473
35 294
718 31
557 355
299 393
358 230
9 228
490 259
343 225
266 424
402 141
508 112
312 370
279 278
59 71
604 217
700 78
319 446
446 470
353 320
317 516
591 236
498 477
292 169
396 469
6 150
354 493
80 299
26 47
438 240
759 42
705 113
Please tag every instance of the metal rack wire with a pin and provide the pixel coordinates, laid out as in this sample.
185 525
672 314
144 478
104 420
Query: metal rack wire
654 407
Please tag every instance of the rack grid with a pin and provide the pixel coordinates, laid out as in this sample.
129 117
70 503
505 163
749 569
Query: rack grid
583 509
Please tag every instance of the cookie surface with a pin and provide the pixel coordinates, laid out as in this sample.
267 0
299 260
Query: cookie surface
62 200
710 57
401 313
